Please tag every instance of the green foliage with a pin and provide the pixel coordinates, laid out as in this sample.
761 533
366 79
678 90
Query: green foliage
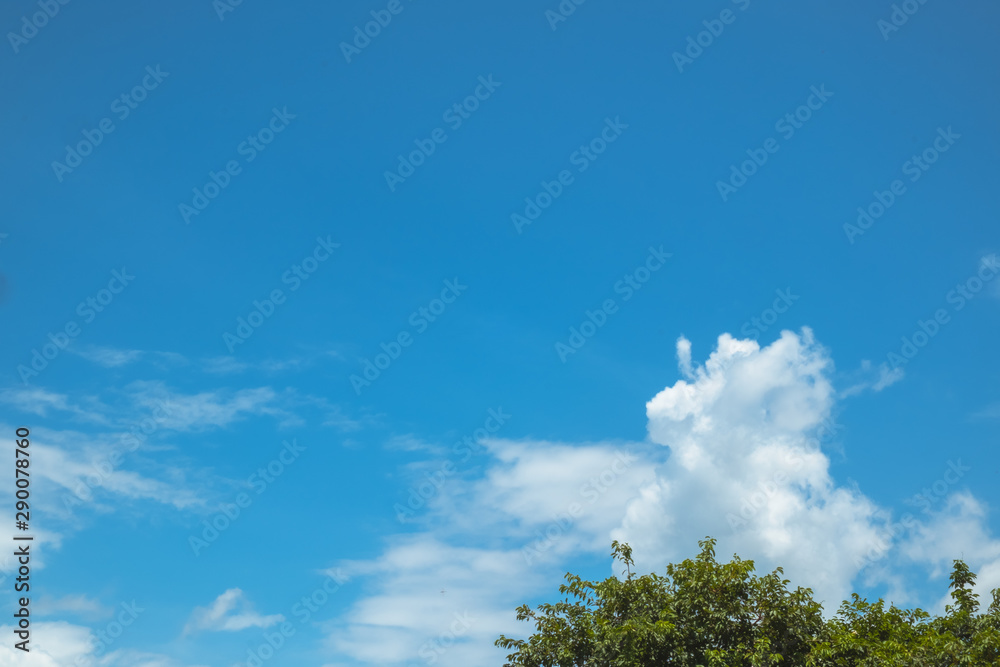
703 613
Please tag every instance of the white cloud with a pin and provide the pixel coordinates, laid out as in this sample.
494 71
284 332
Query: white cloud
164 408
61 644
184 412
733 454
71 472
412 443
46 540
57 644
230 612
78 605
888 377
188 412
34 401
565 497
744 467
111 357
870 377
108 357
37 401
85 472
229 365
447 592
430 594
959 530
223 365
989 412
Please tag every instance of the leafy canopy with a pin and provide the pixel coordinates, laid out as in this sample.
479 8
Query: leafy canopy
703 613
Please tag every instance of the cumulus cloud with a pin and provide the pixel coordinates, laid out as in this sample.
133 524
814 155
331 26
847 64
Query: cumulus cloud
61 644
745 467
230 612
52 645
735 451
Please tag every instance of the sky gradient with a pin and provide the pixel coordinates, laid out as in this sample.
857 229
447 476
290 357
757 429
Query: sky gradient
426 317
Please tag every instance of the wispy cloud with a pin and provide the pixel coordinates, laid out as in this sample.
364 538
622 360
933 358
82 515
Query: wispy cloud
35 401
84 473
38 401
108 357
231 365
113 357
871 377
224 365
989 412
888 377
77 605
230 612
207 409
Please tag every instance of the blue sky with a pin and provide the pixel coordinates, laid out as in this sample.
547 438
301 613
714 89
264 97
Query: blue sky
615 267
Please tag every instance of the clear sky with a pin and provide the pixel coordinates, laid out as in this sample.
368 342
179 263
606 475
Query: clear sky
358 341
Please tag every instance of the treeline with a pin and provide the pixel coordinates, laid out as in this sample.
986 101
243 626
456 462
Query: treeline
703 613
